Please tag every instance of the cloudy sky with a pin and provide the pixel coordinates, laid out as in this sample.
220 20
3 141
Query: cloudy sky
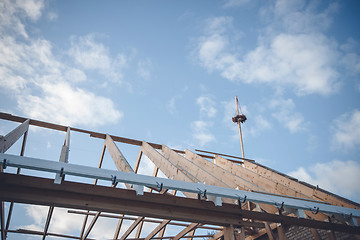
168 72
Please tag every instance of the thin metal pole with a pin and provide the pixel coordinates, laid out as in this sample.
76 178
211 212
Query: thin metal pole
239 124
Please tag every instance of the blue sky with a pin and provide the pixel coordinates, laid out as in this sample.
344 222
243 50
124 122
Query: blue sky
168 72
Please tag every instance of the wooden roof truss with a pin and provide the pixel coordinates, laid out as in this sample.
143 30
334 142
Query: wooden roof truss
235 198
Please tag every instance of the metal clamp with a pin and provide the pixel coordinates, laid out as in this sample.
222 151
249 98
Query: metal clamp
314 210
4 165
159 186
241 200
280 207
113 179
61 172
202 194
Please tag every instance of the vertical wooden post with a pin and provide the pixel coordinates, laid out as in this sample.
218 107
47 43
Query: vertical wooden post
281 232
229 233
95 182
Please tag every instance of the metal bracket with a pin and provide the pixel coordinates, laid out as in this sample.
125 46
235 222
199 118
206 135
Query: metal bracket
280 207
59 176
241 200
314 210
139 189
113 179
202 194
159 186
215 199
4 165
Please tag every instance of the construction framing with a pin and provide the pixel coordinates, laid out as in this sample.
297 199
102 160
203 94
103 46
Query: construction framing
235 197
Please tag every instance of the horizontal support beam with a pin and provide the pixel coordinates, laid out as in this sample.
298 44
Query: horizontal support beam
149 181
134 218
34 232
58 127
42 191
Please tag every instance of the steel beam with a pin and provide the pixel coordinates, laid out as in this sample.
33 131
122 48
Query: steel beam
34 190
149 181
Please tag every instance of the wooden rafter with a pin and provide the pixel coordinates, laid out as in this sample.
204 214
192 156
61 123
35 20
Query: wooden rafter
185 167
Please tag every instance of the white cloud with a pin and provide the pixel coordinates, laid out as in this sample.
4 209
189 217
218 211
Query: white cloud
52 16
93 55
260 124
75 75
351 60
171 105
340 177
145 69
201 128
301 17
206 106
302 174
293 53
235 3
201 132
67 223
70 106
42 85
284 111
32 8
13 12
346 131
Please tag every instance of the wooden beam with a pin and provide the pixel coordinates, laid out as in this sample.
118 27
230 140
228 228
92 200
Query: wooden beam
218 235
121 164
145 220
191 234
139 228
257 179
231 180
306 189
167 167
269 231
41 191
186 230
47 223
90 227
268 184
131 228
315 234
63 128
95 182
229 233
190 167
281 232
137 163
120 161
226 155
33 232
241 235
9 139
157 229
11 207
118 227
